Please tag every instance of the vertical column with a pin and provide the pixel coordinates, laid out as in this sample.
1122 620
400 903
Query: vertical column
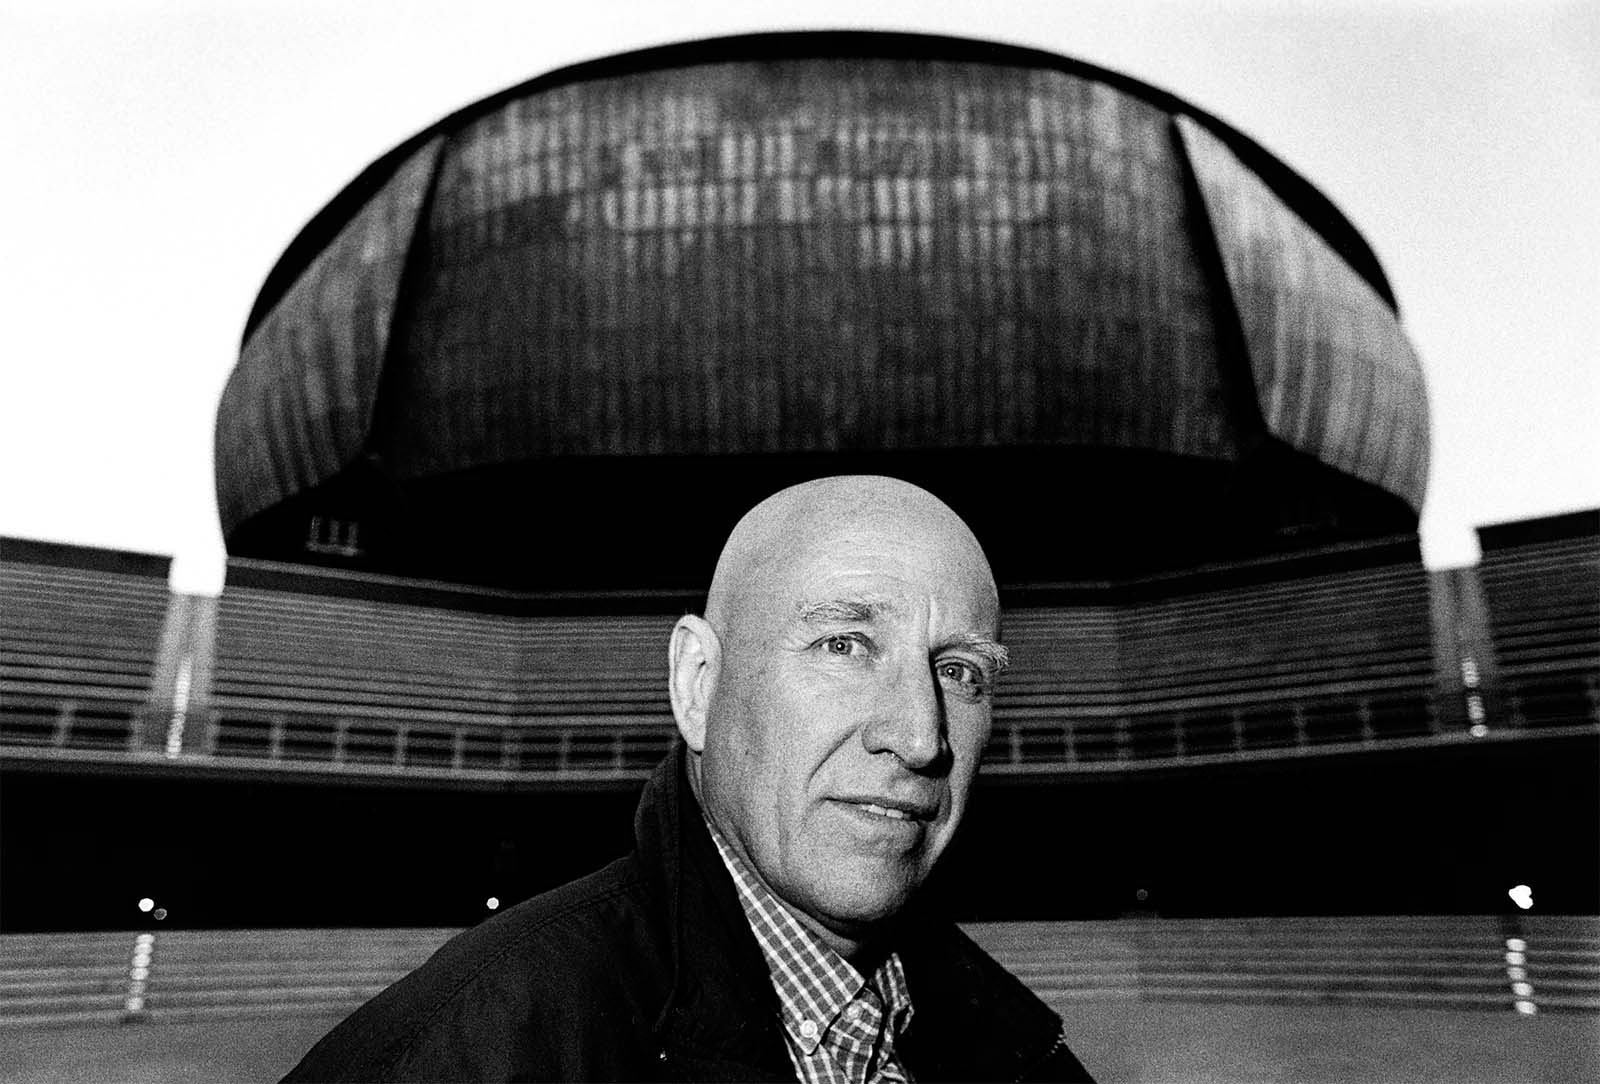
1517 976
144 947
180 687
150 733
1463 648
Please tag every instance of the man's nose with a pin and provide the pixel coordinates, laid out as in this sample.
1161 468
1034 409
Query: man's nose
909 720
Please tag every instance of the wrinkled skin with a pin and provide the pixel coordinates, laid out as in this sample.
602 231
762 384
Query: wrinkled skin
836 695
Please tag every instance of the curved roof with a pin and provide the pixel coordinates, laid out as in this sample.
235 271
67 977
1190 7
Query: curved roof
1298 193
783 254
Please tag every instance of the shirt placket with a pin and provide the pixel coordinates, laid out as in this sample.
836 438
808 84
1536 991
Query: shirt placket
860 1027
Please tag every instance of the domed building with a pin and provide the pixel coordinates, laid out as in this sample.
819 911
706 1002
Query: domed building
561 339
501 400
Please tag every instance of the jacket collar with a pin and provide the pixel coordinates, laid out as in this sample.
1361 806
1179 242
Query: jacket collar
721 1009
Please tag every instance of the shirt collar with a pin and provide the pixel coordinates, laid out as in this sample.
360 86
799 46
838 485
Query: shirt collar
813 982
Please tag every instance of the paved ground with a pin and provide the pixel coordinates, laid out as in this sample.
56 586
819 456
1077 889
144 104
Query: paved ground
1129 1042
1156 1043
224 1052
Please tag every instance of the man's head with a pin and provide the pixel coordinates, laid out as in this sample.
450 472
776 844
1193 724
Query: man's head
835 697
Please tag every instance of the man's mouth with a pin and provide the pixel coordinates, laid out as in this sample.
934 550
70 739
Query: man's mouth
894 809
884 811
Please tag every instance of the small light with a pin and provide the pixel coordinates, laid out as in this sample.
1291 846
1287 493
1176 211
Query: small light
1479 730
159 914
1516 959
1516 974
1527 1008
1522 989
145 940
1516 944
1522 896
135 1004
139 974
147 905
492 903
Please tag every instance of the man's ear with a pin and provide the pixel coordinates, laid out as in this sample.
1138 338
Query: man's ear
694 660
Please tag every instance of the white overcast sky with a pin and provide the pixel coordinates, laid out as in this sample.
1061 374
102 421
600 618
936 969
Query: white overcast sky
160 155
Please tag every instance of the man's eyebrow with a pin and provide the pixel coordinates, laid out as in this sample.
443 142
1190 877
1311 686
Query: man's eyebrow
846 610
993 653
833 610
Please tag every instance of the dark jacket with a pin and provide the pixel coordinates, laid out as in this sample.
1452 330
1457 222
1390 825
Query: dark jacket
648 970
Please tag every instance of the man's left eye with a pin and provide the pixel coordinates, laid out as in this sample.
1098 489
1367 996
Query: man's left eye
962 673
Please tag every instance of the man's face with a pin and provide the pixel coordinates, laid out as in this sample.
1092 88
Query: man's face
850 712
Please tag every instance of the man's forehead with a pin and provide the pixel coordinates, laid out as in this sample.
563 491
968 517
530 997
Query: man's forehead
864 540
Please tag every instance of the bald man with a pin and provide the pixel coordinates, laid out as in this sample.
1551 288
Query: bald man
833 701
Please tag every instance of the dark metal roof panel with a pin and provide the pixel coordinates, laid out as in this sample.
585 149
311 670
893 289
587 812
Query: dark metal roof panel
1335 375
1315 208
298 408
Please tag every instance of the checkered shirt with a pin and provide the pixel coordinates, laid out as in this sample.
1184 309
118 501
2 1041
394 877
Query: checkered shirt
841 1028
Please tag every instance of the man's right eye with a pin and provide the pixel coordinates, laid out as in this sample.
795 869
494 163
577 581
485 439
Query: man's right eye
842 645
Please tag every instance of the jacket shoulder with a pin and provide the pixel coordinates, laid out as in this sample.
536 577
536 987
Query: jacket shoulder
559 980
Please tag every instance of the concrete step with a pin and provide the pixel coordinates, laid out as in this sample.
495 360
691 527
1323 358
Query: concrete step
1443 962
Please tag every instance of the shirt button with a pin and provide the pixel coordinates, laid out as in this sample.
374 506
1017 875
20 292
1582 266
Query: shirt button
808 1028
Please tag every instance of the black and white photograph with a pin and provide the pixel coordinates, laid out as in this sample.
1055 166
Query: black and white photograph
847 542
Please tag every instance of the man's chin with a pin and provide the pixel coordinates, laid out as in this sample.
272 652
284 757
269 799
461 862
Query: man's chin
855 907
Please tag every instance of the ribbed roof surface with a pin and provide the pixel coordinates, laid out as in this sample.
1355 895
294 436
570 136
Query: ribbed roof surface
805 244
